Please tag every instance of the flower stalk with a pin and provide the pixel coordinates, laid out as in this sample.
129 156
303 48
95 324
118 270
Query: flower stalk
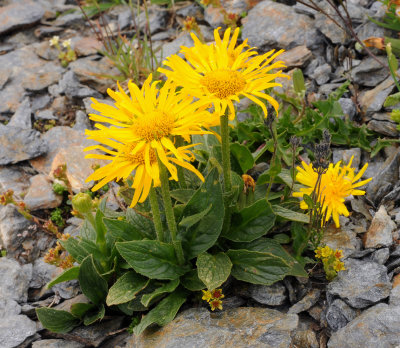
169 212
226 154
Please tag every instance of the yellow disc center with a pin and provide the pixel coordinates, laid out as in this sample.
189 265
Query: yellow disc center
154 126
223 83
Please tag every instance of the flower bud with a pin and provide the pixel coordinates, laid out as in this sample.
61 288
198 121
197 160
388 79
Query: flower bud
82 202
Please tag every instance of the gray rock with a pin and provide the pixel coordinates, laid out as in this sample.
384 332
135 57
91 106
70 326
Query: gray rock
305 336
296 57
273 295
214 17
12 228
18 15
45 115
321 74
339 314
70 86
380 232
14 178
370 73
74 20
330 29
306 302
40 102
394 298
372 101
174 46
22 117
362 284
239 327
40 194
46 75
15 330
387 176
8 307
20 144
59 138
157 19
369 29
82 122
273 24
54 343
346 155
348 107
378 326
383 124
343 238
192 10
14 280
380 256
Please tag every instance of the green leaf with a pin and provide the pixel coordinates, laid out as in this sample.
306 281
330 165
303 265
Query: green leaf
68 274
202 235
189 221
147 299
75 249
80 309
298 81
92 316
243 156
163 313
213 270
282 238
182 195
122 230
308 200
126 288
300 238
141 223
251 222
392 100
290 214
151 258
92 284
192 282
56 320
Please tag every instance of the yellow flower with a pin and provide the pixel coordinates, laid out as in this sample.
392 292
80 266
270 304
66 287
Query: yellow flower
207 295
67 43
326 251
337 183
219 73
338 266
318 252
217 294
338 254
143 128
215 304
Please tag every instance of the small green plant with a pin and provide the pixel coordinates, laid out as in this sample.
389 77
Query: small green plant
57 218
66 53
59 188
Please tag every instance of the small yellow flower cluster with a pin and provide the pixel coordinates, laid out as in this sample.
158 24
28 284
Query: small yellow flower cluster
58 256
330 260
65 57
213 298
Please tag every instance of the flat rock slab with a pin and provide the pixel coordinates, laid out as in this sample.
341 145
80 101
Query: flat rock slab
41 195
363 284
19 144
380 232
15 329
270 24
18 15
379 326
239 327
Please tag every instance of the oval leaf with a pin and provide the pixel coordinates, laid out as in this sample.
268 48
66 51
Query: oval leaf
92 284
126 288
202 235
122 230
192 282
151 258
166 288
69 274
290 214
243 156
213 270
56 320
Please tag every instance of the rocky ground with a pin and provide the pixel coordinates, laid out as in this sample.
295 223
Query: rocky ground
43 109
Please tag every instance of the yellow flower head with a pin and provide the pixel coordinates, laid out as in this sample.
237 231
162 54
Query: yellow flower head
249 183
142 131
219 73
54 40
207 295
217 294
216 304
337 183
338 266
326 251
338 254
67 43
318 252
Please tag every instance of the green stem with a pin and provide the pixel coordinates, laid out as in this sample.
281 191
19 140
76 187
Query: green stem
155 209
226 169
181 174
226 154
169 212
